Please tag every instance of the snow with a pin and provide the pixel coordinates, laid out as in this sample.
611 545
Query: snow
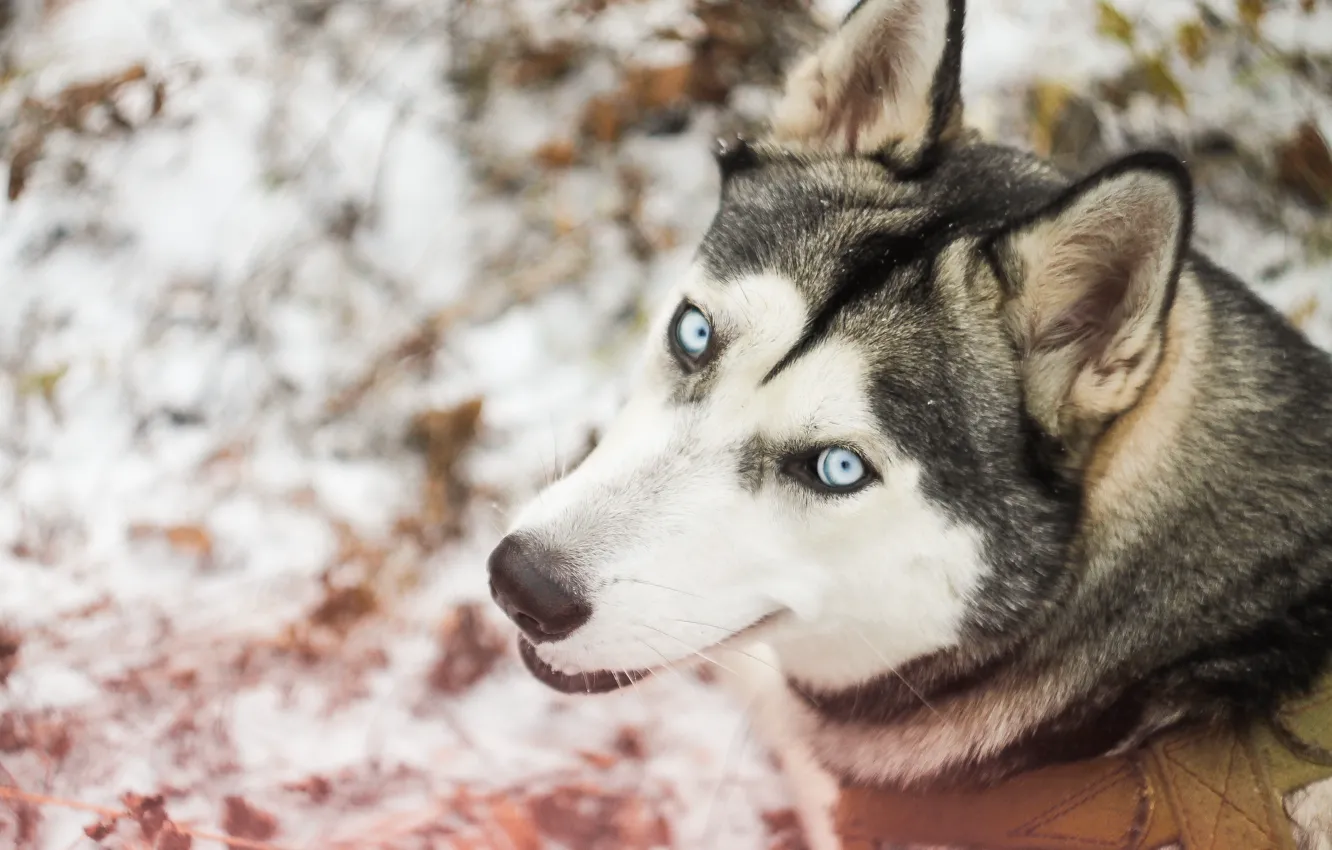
198 290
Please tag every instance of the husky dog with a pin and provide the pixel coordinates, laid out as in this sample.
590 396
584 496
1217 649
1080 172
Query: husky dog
957 465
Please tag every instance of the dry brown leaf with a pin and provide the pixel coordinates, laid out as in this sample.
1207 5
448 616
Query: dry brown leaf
172 838
316 788
783 829
1160 82
629 743
25 156
558 153
69 109
516 824
10 642
148 812
600 761
1046 100
469 649
543 65
13 736
1193 41
1304 165
604 119
445 435
242 820
1112 23
637 827
101 829
343 607
657 87
1251 13
187 539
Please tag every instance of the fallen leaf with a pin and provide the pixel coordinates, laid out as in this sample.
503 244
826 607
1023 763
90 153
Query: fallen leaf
101 829
559 153
469 649
516 824
1193 41
242 820
629 743
1112 23
13 738
657 87
1046 101
171 838
148 812
25 156
604 119
737 46
10 641
1251 13
600 761
43 384
783 829
187 539
445 435
316 788
343 607
543 65
1304 165
1161 83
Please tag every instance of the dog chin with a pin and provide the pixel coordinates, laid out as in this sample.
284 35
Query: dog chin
605 681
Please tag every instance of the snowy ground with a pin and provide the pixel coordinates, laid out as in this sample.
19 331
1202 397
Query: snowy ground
237 275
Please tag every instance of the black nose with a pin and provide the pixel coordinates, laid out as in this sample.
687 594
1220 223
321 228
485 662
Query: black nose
524 582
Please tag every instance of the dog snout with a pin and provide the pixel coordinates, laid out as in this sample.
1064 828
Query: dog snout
524 582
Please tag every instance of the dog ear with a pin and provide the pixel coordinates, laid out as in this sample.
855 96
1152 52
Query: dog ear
1088 284
887 84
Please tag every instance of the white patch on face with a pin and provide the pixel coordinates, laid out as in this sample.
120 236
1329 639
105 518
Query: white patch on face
678 551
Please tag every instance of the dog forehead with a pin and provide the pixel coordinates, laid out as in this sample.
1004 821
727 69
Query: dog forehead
802 221
762 316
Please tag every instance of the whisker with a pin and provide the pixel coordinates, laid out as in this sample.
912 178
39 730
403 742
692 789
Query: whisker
733 749
653 584
735 649
704 625
891 669
668 664
692 651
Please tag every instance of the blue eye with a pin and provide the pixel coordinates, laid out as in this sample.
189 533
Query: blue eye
839 468
693 332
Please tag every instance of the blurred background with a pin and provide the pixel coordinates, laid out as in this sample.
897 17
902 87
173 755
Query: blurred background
299 298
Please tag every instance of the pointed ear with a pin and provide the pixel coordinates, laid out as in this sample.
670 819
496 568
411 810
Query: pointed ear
888 84
1089 282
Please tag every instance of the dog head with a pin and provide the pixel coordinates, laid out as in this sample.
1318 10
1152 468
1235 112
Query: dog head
858 427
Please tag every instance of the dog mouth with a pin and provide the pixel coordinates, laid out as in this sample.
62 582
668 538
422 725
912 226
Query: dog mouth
605 681
596 682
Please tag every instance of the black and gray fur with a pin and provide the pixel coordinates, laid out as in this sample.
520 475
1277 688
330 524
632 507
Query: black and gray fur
1214 600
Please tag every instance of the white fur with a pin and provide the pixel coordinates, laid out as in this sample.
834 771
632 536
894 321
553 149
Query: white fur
755 676
678 554
1310 812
